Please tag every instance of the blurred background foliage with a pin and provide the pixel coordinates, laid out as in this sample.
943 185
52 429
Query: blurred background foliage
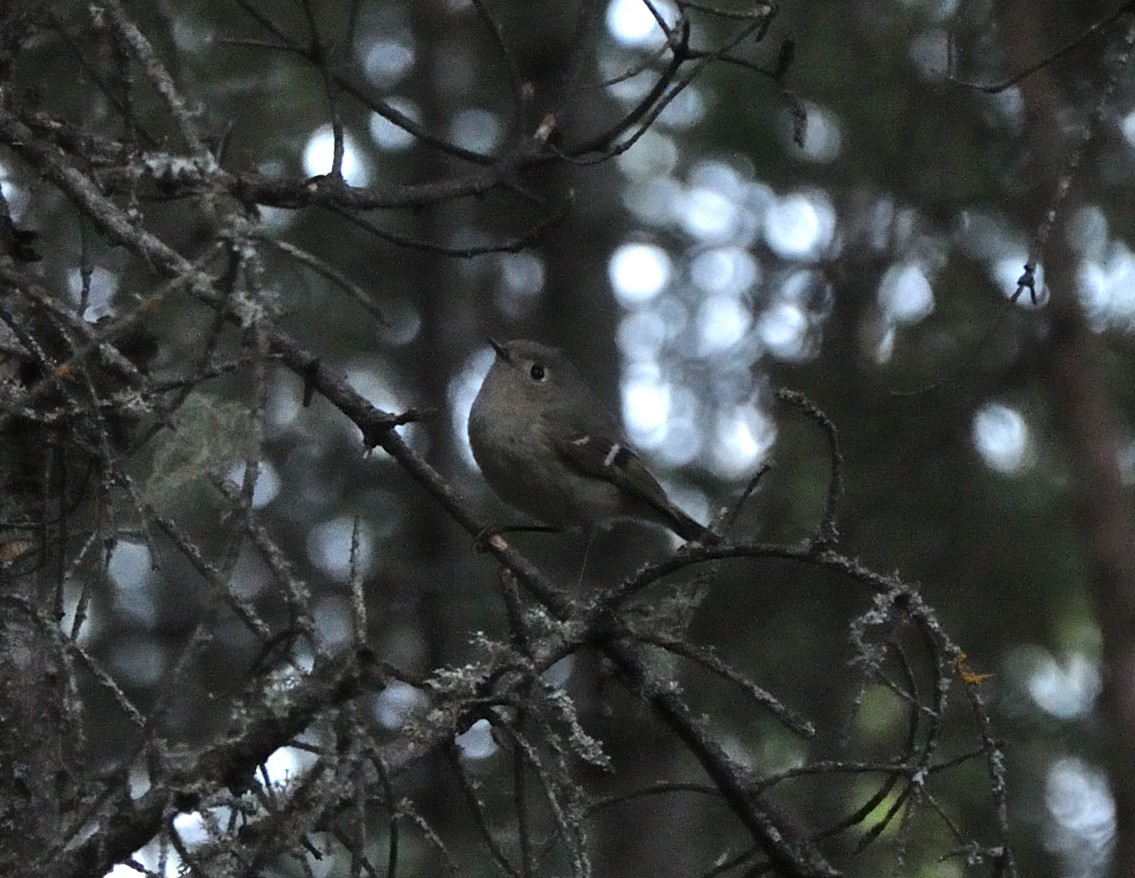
868 266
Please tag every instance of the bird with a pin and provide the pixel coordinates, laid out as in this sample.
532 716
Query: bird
546 445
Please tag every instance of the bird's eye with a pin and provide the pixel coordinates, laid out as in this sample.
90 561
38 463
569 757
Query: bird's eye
537 371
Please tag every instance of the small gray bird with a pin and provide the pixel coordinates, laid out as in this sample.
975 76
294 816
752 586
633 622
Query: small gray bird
547 446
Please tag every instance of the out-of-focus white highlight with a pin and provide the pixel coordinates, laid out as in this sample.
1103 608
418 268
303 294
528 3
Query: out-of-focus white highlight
388 61
329 546
477 129
638 273
1107 288
287 763
394 704
130 565
641 334
722 322
1082 815
102 286
267 483
371 380
930 52
654 201
823 135
191 828
684 111
477 742
522 277
462 391
905 294
719 205
333 621
655 155
149 857
799 226
731 270
743 438
1001 437
885 344
784 329
16 196
284 407
1066 689
1008 270
319 154
646 407
388 135
1127 127
631 24
710 215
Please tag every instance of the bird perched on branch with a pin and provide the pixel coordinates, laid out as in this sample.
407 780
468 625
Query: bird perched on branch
547 446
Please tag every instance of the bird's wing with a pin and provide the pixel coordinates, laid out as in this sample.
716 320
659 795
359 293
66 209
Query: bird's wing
611 459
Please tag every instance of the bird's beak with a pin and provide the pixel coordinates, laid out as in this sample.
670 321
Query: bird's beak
500 348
